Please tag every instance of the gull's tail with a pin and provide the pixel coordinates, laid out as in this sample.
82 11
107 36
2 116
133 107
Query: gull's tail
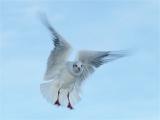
50 90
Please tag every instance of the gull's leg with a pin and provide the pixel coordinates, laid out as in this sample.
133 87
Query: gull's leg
69 103
57 101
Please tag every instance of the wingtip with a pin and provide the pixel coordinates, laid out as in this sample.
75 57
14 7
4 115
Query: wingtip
121 53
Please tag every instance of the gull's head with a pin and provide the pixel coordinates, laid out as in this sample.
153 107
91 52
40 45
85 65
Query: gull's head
77 67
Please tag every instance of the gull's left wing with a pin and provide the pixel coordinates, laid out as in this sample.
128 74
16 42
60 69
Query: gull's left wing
94 59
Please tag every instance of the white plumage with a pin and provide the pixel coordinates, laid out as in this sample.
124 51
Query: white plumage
64 78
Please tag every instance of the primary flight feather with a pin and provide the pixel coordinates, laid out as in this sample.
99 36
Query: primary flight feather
63 77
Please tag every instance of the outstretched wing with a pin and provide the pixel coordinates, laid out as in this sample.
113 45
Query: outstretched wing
59 54
94 59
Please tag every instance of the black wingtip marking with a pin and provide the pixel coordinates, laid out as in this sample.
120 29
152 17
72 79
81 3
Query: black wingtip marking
45 22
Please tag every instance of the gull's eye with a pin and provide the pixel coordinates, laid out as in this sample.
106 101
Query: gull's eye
74 65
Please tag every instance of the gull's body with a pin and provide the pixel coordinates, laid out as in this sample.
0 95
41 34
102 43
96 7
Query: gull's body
64 78
67 78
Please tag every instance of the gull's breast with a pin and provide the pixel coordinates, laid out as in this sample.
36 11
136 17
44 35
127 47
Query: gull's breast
67 79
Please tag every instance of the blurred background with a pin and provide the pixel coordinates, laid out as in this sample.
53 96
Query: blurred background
126 89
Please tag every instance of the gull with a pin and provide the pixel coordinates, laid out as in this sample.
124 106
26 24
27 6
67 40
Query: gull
64 78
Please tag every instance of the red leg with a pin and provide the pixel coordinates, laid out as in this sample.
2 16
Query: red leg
69 104
57 101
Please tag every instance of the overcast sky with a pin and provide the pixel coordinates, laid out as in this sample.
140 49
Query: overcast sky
126 89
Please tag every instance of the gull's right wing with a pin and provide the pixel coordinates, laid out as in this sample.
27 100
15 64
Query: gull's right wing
58 55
